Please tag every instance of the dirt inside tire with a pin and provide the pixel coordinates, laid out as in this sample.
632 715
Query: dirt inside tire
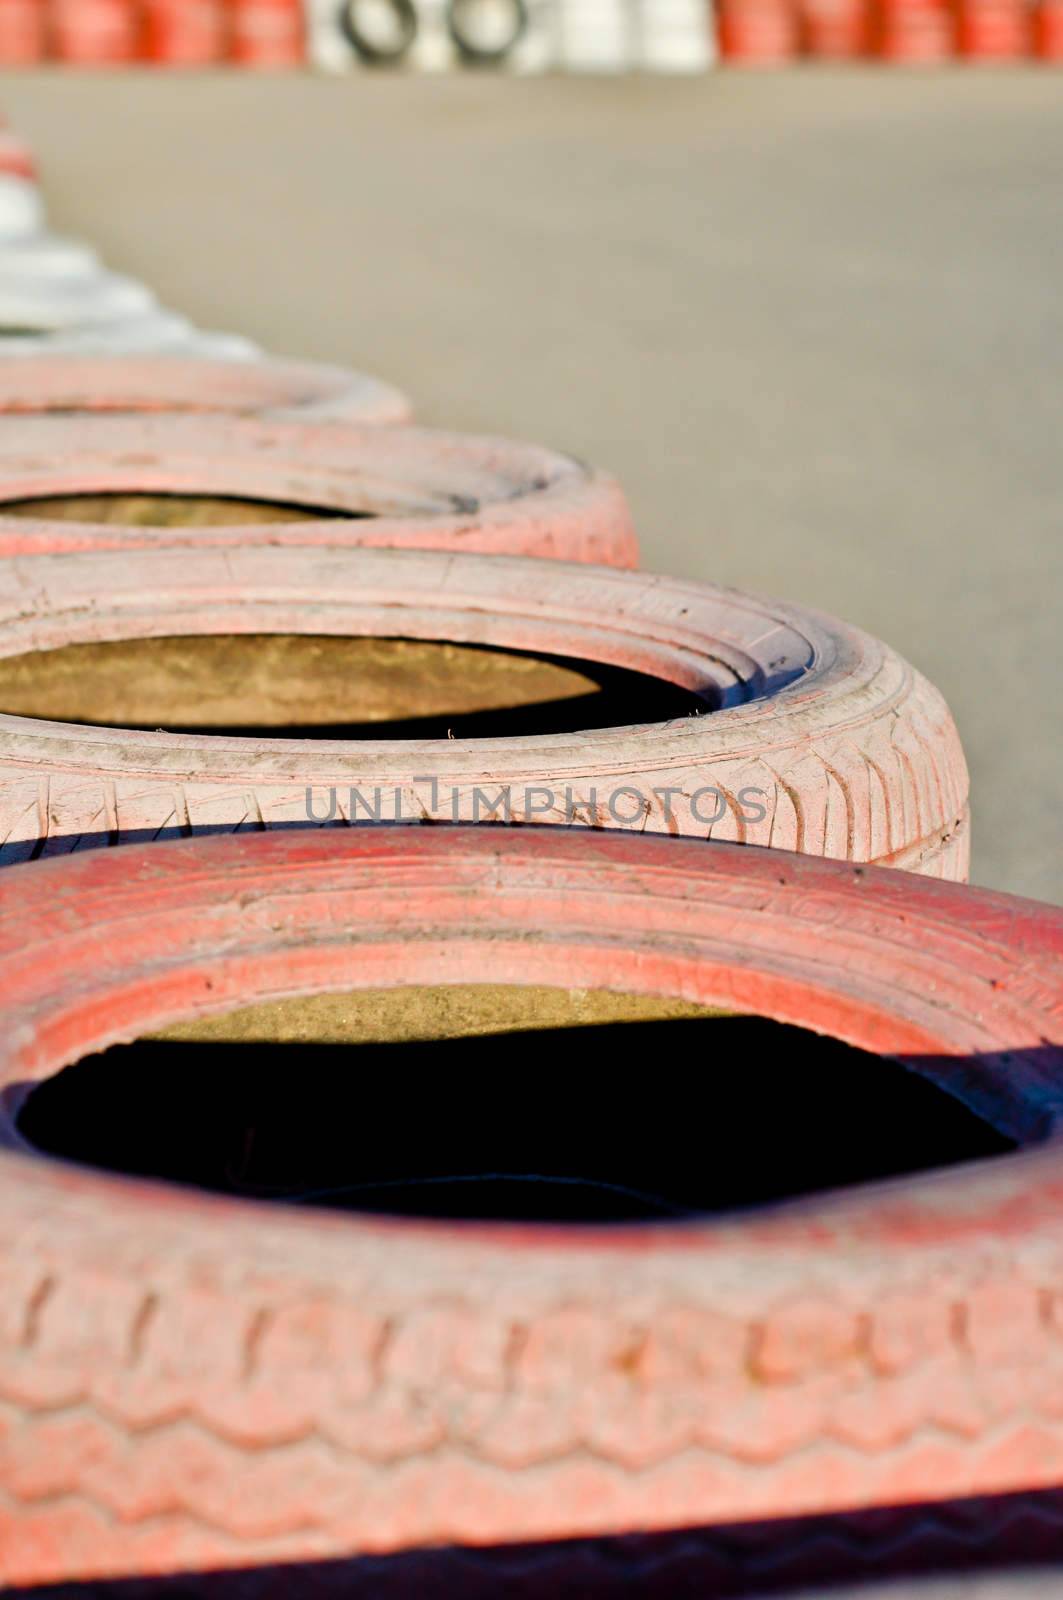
168 510
320 686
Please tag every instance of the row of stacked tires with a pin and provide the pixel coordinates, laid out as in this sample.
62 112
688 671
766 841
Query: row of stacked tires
583 34
770 816
906 32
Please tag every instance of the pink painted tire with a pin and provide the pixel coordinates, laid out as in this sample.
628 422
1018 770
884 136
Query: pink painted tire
299 390
406 487
188 1381
851 753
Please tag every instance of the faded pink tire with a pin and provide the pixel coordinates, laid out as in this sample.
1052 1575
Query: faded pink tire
190 1382
850 751
301 390
404 487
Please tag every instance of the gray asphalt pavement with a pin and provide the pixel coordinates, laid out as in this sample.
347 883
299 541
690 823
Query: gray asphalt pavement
814 320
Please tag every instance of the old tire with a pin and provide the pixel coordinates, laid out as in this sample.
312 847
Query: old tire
414 488
192 1382
300 390
854 753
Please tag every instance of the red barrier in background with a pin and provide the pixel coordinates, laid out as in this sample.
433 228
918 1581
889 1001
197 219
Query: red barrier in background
914 32
96 33
1048 31
267 33
758 33
185 33
993 30
836 30
272 33
23 32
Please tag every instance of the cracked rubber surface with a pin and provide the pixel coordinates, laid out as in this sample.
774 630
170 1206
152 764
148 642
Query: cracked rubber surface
409 487
303 390
854 753
189 1382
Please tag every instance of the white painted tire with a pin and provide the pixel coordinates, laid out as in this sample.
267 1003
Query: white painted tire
21 208
155 332
105 298
48 257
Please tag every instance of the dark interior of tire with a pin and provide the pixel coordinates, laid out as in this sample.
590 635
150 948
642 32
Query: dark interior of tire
501 1103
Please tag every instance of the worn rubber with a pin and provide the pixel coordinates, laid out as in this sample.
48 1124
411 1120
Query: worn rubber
855 752
300 390
188 1381
414 488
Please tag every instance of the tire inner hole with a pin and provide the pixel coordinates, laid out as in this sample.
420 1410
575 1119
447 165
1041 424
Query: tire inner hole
500 1102
320 686
170 510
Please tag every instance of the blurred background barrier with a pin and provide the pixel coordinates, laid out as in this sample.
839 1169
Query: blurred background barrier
523 36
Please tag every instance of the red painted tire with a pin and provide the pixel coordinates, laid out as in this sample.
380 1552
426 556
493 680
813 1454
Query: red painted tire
301 391
414 488
855 753
189 1381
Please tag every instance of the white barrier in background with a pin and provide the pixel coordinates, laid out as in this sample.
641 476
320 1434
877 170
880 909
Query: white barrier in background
561 35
